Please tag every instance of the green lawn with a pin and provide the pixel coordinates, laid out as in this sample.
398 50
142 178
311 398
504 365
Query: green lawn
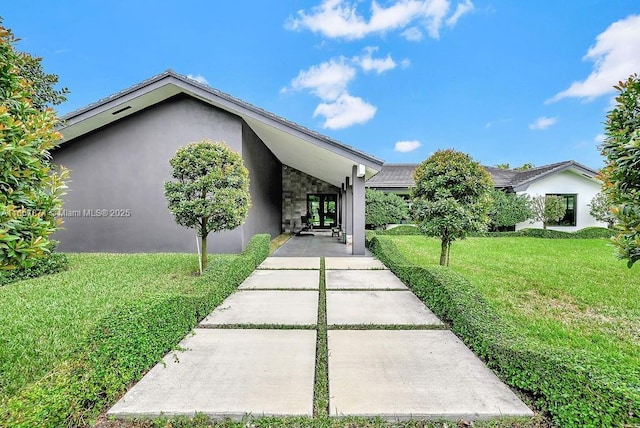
556 293
42 319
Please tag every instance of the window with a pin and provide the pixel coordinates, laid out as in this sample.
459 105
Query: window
570 203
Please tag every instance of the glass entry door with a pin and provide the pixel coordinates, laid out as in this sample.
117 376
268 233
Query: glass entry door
322 210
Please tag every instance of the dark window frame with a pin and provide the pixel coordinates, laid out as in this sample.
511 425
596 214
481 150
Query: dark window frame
570 218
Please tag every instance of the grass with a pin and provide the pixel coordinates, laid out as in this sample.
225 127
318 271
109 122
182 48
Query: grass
42 320
557 295
278 241
321 379
565 293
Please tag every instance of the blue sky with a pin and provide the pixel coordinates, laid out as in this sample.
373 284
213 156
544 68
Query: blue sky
505 81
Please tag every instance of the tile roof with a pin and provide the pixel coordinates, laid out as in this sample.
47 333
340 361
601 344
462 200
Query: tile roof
400 175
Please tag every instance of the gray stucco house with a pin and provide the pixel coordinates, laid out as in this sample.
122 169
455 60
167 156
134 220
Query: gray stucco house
118 151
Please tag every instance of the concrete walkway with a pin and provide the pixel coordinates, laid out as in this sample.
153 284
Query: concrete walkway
389 355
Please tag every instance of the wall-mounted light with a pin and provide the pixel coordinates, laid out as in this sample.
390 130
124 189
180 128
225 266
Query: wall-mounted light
361 170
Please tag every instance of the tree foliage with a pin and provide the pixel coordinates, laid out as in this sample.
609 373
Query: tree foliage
600 209
383 208
547 209
523 167
509 209
621 174
211 193
452 197
31 188
44 92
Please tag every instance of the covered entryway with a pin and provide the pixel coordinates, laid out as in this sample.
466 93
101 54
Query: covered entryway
322 210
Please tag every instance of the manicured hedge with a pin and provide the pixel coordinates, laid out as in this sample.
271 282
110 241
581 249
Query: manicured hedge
124 345
586 233
405 229
54 263
574 393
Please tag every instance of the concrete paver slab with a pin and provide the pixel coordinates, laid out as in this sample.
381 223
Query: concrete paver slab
363 279
266 307
229 373
293 279
402 374
377 307
290 263
362 263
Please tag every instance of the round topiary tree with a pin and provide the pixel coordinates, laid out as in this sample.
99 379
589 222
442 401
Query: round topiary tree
211 193
451 198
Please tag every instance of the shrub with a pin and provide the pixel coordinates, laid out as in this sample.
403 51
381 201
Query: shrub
383 208
124 345
594 232
54 263
586 233
405 229
576 394
508 209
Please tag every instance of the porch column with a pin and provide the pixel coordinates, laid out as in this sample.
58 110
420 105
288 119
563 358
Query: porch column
358 212
348 212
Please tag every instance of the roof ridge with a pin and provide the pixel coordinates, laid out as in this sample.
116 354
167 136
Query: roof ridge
171 73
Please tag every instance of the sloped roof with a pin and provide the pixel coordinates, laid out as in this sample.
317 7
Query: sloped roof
400 176
294 145
394 175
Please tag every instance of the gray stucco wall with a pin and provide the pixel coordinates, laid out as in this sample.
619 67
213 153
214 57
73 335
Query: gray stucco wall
123 167
265 215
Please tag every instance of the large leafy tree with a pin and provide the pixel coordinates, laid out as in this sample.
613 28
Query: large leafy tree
621 174
600 209
452 197
383 208
508 209
31 188
547 209
211 191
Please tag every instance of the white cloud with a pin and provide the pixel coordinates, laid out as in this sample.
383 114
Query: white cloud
406 146
328 80
543 123
198 78
461 9
341 18
616 55
379 65
345 111
599 138
413 34
405 63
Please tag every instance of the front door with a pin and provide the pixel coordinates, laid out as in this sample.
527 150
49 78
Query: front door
322 210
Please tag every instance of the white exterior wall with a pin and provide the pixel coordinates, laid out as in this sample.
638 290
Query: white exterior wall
567 182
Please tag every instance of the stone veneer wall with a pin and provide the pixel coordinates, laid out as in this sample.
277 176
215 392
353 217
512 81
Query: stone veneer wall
295 187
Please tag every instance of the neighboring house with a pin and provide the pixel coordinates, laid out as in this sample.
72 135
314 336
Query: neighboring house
575 183
118 151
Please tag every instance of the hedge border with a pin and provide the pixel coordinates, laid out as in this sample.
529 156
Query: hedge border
53 263
574 394
124 345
